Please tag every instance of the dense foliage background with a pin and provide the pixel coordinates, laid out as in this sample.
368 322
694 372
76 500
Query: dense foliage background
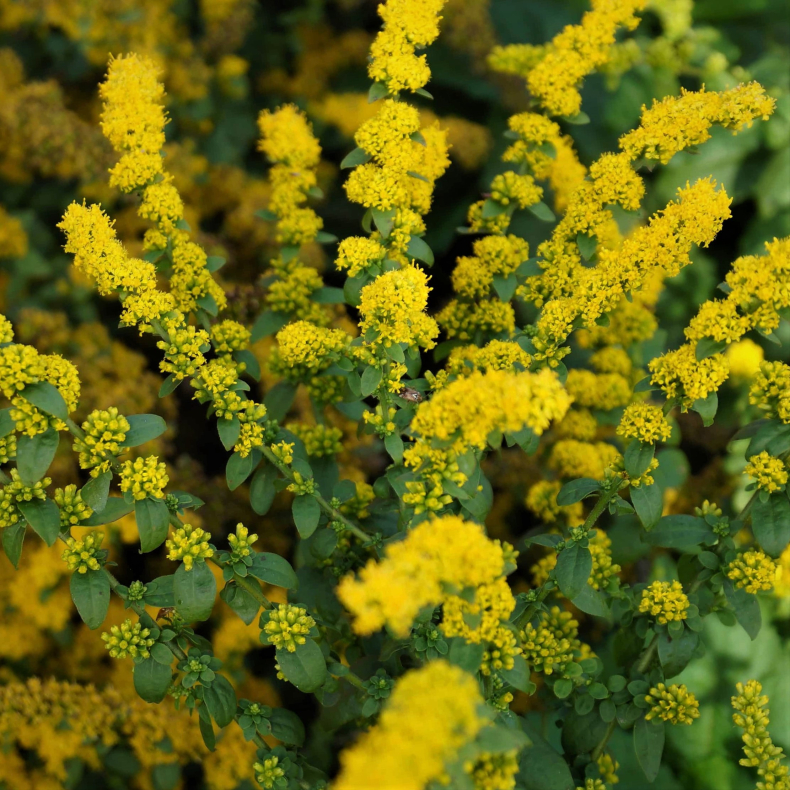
224 62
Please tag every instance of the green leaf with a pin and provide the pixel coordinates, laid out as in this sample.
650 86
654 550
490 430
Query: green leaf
165 776
228 431
529 268
423 92
221 700
143 428
587 245
505 287
541 768
394 446
47 398
43 515
306 512
649 746
492 208
383 220
772 436
159 591
371 378
208 303
151 680
7 425
771 523
576 490
162 653
252 367
262 490
679 532
194 592
328 295
287 727
267 323
168 385
648 501
706 408
563 688
638 457
96 491
359 156
501 739
518 676
592 602
116 508
153 520
542 212
745 607
34 454
215 263
274 569
707 347
90 592
574 566
207 732
242 602
378 90
581 733
279 399
465 654
417 248
238 469
305 667
322 237
418 138
580 119
13 538
676 652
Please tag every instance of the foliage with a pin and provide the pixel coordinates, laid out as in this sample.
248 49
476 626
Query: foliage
488 494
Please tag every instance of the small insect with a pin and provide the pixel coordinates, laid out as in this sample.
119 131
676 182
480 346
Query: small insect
411 395
166 612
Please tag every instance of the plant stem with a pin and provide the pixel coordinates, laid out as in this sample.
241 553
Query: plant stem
598 750
647 656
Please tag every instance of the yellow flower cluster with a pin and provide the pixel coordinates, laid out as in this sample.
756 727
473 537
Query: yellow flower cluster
541 499
432 712
133 120
189 544
664 601
408 25
241 543
770 390
480 620
288 141
753 570
602 391
494 771
229 336
678 122
438 555
183 349
550 645
356 253
287 627
7 448
319 440
127 640
393 309
493 255
11 494
500 652
304 349
467 410
751 715
572 458
80 555
681 375
644 421
769 472
464 320
674 704
144 477
576 52
105 431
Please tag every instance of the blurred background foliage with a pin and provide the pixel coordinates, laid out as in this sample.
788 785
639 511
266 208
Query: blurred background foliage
225 60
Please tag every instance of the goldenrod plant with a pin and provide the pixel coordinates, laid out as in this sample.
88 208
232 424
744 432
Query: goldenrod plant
318 474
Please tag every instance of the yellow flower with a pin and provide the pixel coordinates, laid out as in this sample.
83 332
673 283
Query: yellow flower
144 477
72 509
770 390
664 601
356 253
431 714
752 570
751 715
189 544
11 494
128 640
769 472
287 137
287 627
645 422
744 358
674 704
81 555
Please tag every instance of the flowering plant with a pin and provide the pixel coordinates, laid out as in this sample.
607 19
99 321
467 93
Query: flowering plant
494 531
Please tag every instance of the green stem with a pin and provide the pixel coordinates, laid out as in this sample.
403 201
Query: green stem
598 750
598 508
333 513
647 656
